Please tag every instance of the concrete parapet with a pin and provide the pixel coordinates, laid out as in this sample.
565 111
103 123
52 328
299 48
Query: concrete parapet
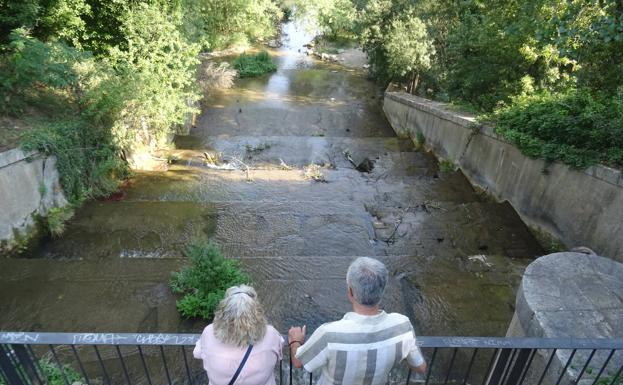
29 186
570 295
579 207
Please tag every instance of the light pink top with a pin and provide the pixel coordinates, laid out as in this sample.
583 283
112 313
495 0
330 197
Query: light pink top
220 360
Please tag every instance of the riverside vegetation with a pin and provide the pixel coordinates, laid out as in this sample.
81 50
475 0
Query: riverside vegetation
95 80
204 281
547 73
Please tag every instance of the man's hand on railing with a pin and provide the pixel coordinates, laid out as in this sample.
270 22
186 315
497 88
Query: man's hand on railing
296 338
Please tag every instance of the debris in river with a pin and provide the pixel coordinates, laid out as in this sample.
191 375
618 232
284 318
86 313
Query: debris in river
284 165
480 258
256 149
216 162
377 224
212 158
226 166
273 43
366 165
313 172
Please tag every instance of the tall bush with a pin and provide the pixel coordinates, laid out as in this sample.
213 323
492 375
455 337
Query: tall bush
204 281
409 50
254 65
155 77
576 127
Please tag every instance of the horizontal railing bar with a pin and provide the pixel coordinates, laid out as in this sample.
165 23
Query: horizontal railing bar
46 338
36 338
519 342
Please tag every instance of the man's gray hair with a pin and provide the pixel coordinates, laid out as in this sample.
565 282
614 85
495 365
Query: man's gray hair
239 319
367 278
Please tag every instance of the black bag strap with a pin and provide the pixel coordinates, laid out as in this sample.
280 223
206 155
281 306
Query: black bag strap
244 360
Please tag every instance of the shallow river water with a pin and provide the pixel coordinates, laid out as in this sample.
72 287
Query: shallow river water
455 257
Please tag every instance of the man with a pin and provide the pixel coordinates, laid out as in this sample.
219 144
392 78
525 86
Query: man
367 343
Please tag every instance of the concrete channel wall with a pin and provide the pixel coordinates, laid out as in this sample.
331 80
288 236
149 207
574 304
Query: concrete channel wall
581 208
29 186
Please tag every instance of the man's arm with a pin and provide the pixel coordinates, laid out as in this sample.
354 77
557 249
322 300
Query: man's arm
420 369
416 361
296 337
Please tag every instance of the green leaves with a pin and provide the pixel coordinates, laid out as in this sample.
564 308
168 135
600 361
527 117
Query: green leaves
203 283
575 127
226 23
254 65
408 47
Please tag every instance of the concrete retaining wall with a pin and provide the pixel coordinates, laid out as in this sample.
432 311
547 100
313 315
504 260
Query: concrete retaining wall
581 208
29 186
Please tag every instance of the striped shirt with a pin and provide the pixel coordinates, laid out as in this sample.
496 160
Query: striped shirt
360 350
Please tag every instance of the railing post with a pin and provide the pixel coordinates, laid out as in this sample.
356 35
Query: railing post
27 364
499 367
509 367
519 366
8 369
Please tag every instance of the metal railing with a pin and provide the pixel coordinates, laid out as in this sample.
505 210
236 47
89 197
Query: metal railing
148 358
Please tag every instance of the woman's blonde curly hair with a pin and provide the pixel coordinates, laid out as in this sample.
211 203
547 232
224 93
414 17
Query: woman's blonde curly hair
239 319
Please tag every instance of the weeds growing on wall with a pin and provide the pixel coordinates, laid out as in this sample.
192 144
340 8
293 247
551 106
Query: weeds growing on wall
446 166
89 164
254 65
56 218
204 281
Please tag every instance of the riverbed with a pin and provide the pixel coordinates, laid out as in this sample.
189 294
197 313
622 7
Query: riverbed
455 257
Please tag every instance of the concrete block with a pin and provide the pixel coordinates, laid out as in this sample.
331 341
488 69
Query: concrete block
571 295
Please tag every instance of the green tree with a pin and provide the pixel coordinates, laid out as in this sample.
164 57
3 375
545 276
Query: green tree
154 78
409 50
237 21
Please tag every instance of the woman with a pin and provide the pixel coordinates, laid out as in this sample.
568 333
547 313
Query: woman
239 327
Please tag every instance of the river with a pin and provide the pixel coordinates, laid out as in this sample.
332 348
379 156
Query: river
455 257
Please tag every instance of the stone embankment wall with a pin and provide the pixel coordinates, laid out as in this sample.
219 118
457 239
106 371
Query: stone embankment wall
29 187
581 208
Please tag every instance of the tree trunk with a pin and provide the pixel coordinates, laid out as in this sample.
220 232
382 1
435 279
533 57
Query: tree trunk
416 80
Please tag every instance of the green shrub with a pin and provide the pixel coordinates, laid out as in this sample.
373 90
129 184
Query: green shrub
254 65
420 140
574 127
53 374
203 283
88 163
446 166
57 216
